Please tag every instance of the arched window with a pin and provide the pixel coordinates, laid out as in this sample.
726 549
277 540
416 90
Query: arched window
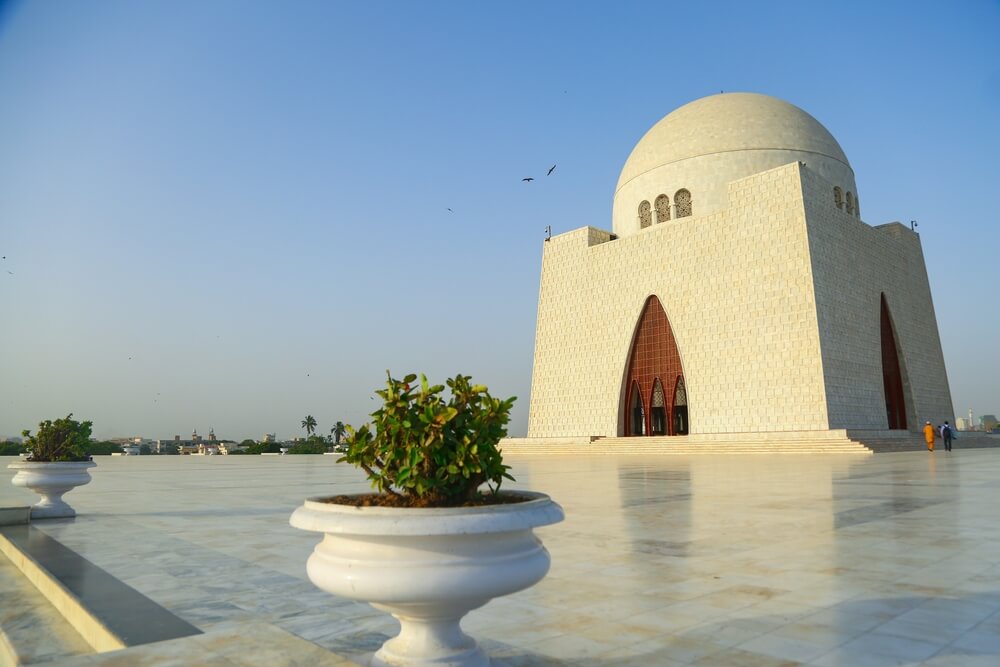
645 216
662 205
838 198
680 393
850 203
659 410
682 201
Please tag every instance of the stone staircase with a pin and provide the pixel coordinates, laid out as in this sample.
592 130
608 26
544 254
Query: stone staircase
790 442
837 441
904 441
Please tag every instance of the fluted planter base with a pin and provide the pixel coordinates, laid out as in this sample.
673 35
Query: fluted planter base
428 640
51 480
428 567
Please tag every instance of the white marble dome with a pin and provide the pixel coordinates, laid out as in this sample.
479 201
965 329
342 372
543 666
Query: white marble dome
704 145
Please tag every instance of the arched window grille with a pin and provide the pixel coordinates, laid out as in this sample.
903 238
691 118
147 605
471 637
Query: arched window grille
645 215
682 201
680 395
838 198
662 206
658 411
850 203
680 409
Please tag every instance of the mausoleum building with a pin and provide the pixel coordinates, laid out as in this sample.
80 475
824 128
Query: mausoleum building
739 292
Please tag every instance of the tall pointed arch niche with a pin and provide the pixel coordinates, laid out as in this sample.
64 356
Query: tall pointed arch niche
654 363
892 377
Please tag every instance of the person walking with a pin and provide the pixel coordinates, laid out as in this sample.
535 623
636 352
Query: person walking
946 436
929 436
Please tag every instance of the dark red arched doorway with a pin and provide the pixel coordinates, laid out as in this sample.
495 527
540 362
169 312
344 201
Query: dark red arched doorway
654 377
892 378
680 410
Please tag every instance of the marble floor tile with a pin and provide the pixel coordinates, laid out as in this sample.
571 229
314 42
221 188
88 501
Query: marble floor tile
714 560
874 648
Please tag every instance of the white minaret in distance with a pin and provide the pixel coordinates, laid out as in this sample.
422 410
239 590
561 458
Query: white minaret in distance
972 424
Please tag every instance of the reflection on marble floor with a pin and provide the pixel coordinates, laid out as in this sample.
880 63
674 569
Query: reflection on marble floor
717 560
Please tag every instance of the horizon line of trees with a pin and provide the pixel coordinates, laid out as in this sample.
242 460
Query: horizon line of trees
313 444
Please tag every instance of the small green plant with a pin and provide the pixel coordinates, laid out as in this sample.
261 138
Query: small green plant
61 440
432 451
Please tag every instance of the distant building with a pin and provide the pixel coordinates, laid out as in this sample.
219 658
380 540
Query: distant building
962 424
195 445
988 422
270 437
136 441
163 446
226 448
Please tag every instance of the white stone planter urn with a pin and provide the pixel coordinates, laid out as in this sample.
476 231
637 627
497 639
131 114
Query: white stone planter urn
51 480
428 567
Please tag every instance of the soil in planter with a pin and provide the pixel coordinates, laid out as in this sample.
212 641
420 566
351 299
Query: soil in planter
387 500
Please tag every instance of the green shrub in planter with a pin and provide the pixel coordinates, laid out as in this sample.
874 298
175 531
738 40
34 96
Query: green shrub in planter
429 451
61 440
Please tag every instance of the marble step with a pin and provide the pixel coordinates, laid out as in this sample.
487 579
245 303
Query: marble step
600 447
32 631
107 613
917 443
791 442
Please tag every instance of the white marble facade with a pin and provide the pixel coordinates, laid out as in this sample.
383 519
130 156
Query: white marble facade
772 285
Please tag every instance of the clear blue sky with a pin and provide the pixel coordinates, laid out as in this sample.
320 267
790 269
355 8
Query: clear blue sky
234 214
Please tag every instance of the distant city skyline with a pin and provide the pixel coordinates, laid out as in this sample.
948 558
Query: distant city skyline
238 214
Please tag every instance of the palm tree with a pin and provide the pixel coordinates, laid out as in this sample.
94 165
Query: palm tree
309 424
338 432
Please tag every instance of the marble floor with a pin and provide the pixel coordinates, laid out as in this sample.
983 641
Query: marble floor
890 559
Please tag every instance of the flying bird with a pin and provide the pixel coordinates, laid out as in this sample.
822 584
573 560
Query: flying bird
551 169
529 179
450 211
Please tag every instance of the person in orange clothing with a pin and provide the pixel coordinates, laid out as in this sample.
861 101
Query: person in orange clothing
929 436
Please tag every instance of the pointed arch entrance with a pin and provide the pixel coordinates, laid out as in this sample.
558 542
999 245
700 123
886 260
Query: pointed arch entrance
637 412
680 408
892 377
654 369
